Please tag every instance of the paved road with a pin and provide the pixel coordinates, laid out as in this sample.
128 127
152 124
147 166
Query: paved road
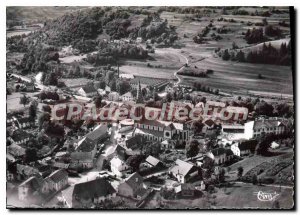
175 73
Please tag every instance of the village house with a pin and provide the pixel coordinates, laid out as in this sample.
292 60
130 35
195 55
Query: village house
153 162
183 171
218 155
116 151
113 96
107 89
24 172
118 167
88 91
19 137
127 97
83 152
30 188
243 148
156 130
167 144
56 181
256 128
83 155
88 194
99 134
126 77
209 127
229 154
16 151
133 187
185 190
139 40
24 122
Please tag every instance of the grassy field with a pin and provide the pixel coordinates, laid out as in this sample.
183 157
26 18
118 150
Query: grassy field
249 163
243 196
36 14
240 77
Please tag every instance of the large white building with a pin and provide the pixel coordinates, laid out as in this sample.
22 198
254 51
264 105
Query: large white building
156 130
256 128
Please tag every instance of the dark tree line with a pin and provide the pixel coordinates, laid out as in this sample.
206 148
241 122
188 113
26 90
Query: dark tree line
266 55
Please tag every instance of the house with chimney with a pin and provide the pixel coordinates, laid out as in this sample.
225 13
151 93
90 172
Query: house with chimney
183 171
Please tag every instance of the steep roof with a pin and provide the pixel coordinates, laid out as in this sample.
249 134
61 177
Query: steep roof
182 167
19 135
117 162
152 160
26 170
135 142
268 123
85 145
228 152
89 89
142 131
58 175
34 183
247 145
134 179
98 133
87 190
16 150
218 151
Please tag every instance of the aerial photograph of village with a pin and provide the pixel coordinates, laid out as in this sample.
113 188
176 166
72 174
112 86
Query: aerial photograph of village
150 107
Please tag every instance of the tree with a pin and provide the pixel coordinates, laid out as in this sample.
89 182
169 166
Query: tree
226 55
43 77
134 162
221 175
30 155
240 172
262 148
264 21
33 110
276 205
264 108
44 117
123 87
240 56
102 84
24 100
254 179
46 108
98 101
208 167
234 45
151 149
51 79
192 149
113 86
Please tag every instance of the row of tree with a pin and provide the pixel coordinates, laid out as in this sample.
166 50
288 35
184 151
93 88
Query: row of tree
266 55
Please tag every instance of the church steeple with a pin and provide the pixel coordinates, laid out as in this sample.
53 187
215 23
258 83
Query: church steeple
139 96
